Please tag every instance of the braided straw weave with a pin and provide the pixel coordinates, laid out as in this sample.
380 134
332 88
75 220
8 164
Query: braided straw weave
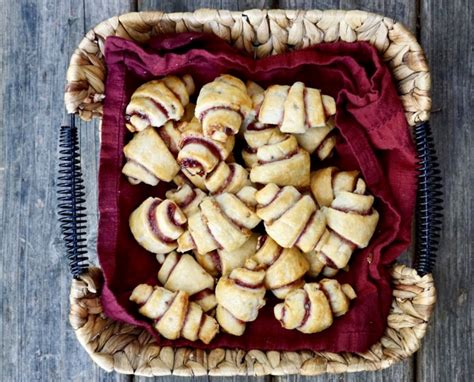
261 32
132 350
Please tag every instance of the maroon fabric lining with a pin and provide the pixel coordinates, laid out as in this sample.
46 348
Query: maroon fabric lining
374 139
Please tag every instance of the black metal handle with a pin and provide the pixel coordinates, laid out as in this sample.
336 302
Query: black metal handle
429 213
70 189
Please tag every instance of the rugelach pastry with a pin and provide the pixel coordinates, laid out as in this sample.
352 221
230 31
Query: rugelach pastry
284 267
156 225
187 198
158 101
240 296
149 159
183 273
223 106
173 315
312 308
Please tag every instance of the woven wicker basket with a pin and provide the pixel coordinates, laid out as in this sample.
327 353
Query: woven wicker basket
128 349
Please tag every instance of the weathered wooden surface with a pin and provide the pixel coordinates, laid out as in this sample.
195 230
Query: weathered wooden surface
36 38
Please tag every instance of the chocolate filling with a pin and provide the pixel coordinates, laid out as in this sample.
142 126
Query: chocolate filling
153 224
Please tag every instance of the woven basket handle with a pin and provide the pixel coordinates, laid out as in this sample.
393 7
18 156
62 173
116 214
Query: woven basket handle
72 216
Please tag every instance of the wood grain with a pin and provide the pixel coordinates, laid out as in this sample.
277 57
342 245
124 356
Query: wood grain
447 353
191 5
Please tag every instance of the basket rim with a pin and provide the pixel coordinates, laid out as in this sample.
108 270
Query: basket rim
130 350
262 32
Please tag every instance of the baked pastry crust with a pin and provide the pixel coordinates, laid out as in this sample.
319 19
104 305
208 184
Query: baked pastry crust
240 296
274 157
149 159
173 315
223 222
183 273
158 101
187 198
295 108
156 225
284 267
200 154
312 308
222 106
227 177
220 262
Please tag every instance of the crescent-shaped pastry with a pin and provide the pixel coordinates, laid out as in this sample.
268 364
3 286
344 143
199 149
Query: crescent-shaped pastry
199 154
240 296
148 159
220 262
187 198
284 267
295 109
223 222
319 140
183 273
274 157
227 177
312 308
222 106
173 315
156 225
158 101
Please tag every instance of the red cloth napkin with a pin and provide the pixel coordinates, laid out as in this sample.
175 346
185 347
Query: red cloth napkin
375 139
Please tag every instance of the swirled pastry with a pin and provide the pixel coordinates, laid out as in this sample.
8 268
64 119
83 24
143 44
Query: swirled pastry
240 296
284 267
222 106
220 262
319 140
148 159
156 225
187 198
257 94
199 154
227 177
183 273
275 157
312 308
193 180
295 109
223 222
158 101
173 315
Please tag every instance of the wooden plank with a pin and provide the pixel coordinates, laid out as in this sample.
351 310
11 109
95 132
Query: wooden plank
447 352
37 342
190 5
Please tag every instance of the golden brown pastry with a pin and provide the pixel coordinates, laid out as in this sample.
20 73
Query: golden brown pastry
173 315
223 222
257 94
220 262
184 177
312 308
274 157
295 109
158 101
199 154
183 273
187 198
156 225
284 267
350 217
149 159
222 106
319 140
240 296
227 177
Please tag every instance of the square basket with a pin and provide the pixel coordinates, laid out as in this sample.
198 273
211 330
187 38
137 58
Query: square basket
132 350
